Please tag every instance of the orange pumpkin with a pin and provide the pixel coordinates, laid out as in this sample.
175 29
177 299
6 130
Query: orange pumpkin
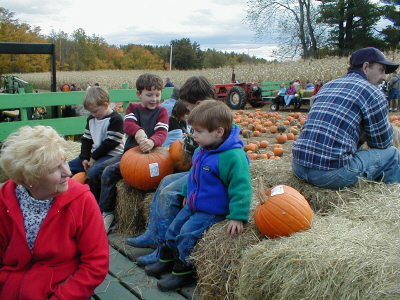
281 138
144 171
182 161
273 129
278 151
283 212
264 144
80 177
251 146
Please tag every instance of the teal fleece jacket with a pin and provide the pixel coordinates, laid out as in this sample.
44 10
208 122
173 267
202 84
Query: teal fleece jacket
219 182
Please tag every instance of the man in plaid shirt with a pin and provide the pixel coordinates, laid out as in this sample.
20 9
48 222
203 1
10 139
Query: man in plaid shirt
346 113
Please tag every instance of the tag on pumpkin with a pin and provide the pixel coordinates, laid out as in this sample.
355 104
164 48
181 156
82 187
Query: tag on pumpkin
154 170
278 190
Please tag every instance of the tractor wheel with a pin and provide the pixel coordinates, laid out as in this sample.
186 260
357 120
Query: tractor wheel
256 104
237 98
274 107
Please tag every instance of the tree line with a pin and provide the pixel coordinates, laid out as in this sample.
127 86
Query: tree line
79 51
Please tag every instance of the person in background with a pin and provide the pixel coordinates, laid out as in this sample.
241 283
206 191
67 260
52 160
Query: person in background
394 86
146 124
52 239
309 86
169 103
88 86
177 129
280 97
168 199
168 82
346 113
318 85
103 138
218 188
290 93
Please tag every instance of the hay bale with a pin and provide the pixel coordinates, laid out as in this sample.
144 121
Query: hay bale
277 172
351 254
216 258
132 209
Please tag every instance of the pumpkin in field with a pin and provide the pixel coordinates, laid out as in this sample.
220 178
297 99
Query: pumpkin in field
144 171
282 212
80 177
182 161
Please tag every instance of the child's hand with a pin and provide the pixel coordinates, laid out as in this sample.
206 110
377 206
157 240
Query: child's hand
85 165
235 227
91 162
184 201
146 145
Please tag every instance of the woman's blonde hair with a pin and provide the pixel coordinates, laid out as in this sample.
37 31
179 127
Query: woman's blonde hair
26 154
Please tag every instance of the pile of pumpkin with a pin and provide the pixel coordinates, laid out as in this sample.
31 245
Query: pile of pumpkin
259 123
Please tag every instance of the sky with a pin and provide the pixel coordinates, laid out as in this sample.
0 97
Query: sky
215 24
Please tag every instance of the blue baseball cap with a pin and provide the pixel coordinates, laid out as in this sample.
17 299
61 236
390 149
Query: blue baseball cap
371 54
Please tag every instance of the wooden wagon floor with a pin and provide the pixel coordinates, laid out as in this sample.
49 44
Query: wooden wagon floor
126 280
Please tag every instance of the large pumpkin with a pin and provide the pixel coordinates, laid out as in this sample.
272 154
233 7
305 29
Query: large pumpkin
182 161
80 177
144 171
284 211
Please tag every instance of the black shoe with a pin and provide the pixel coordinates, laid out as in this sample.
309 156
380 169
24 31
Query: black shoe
159 268
176 282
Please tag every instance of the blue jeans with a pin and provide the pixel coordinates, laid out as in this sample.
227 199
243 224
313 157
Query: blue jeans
288 98
372 164
187 228
94 173
109 179
169 200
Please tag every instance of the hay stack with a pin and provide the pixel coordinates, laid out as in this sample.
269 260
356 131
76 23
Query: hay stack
351 254
280 172
132 209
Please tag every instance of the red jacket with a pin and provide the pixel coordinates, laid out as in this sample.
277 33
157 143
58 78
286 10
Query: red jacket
70 256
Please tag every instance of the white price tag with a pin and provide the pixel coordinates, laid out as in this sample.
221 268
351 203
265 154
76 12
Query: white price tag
278 190
154 170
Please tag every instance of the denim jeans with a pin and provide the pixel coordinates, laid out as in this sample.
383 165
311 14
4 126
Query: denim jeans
168 199
371 164
288 98
187 228
109 179
94 173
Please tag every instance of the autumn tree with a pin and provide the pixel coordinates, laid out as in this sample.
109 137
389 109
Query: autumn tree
13 31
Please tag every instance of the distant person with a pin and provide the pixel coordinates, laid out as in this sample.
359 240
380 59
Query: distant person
169 103
394 86
168 82
346 113
88 86
75 87
52 239
290 93
102 141
318 85
309 86
96 84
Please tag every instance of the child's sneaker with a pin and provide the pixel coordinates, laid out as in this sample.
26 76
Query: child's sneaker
108 220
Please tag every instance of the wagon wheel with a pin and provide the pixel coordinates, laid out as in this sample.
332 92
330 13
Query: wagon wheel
297 104
274 107
237 98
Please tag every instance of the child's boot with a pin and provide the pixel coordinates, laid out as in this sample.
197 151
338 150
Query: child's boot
182 276
150 237
164 265
149 259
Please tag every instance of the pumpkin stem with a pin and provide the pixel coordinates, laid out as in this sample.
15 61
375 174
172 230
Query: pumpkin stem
261 191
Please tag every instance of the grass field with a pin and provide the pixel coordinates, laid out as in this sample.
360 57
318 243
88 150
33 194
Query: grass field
325 69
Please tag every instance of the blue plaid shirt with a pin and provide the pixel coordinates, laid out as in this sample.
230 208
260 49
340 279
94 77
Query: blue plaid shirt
343 110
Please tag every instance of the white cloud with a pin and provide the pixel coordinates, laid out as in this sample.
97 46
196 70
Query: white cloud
212 24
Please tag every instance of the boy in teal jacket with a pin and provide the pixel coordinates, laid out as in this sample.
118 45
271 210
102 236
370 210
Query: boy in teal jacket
218 188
